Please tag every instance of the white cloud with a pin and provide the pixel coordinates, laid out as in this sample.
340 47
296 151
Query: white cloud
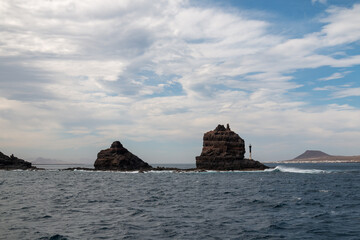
342 91
326 88
348 92
94 70
107 64
341 25
336 75
319 1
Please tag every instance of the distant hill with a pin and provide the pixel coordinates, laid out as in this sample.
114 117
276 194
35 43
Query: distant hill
316 156
41 160
312 154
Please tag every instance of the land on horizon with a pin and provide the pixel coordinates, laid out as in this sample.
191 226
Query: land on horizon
316 156
309 156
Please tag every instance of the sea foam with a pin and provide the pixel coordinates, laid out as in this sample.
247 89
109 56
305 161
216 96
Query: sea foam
296 170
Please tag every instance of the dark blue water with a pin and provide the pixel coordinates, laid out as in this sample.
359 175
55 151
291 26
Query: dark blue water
294 201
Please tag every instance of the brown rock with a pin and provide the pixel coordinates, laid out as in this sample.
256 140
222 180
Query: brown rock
223 149
119 158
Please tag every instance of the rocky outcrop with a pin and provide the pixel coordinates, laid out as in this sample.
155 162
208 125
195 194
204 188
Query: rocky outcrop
119 158
12 162
223 149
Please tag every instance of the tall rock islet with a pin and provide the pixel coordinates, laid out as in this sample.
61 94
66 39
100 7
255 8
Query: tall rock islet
223 149
119 158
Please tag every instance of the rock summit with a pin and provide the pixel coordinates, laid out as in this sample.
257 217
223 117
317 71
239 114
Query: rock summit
223 149
119 158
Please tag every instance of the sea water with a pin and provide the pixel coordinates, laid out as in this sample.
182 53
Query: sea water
291 201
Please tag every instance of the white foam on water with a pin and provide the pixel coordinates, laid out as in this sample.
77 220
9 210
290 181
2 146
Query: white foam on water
100 171
227 171
82 170
279 168
128 172
296 170
162 171
249 171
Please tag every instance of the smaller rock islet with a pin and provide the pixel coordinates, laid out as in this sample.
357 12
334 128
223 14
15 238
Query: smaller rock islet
119 158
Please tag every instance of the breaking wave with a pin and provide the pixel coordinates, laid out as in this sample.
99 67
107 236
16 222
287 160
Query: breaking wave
296 170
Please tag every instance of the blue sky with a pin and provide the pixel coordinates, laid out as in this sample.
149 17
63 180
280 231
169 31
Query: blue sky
77 75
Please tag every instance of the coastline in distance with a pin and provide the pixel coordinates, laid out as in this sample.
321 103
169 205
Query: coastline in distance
316 156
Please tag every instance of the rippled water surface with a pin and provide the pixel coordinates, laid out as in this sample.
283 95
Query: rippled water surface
294 201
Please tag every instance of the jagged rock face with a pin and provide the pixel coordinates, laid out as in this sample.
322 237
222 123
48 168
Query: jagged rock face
12 162
223 142
223 149
119 158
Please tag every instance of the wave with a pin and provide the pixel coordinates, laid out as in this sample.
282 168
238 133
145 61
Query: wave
276 169
167 171
103 171
295 170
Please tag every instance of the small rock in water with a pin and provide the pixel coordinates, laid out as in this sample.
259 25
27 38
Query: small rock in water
119 158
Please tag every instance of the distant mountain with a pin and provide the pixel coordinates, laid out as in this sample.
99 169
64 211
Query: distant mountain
312 154
41 160
316 156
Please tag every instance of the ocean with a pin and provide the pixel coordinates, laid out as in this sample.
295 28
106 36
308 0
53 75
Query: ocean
291 201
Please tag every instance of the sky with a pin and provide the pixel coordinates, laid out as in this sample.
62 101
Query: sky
156 75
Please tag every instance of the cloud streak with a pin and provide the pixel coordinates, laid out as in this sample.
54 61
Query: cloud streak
336 75
319 1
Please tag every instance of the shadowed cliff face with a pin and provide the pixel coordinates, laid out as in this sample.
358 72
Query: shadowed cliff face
119 158
12 162
223 149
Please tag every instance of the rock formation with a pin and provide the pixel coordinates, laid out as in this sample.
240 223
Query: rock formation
119 158
223 149
12 162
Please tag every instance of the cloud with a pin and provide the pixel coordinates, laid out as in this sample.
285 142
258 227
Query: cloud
342 91
336 75
349 92
326 88
84 73
339 29
319 1
105 70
